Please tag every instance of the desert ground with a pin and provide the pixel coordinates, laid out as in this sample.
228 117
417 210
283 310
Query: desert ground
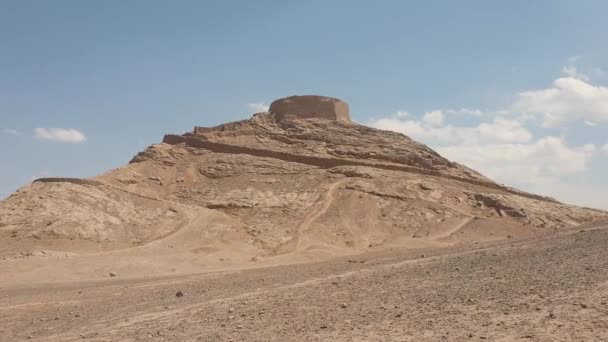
548 288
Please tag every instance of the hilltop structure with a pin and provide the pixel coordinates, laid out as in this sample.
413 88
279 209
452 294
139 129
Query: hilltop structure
311 106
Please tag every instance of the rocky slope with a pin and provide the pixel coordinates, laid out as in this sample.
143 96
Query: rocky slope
276 187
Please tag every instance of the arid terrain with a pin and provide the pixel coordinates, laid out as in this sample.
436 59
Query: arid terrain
297 225
553 288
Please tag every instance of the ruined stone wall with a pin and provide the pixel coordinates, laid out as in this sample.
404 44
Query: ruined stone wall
311 106
78 181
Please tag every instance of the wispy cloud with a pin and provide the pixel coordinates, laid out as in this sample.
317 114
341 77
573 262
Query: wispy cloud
572 71
589 123
258 107
465 111
65 135
11 131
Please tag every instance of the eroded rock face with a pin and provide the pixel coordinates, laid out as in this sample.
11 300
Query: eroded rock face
311 106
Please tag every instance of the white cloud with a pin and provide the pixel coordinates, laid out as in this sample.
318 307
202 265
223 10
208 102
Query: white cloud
401 114
572 71
501 148
499 130
503 130
589 123
574 59
411 128
11 131
434 118
568 99
465 111
605 149
258 107
545 160
68 135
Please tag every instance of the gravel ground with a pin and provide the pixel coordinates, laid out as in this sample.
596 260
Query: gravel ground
553 288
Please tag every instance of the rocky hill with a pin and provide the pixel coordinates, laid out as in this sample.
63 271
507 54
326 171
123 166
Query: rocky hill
301 182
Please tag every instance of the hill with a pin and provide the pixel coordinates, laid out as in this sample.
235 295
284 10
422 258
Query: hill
296 184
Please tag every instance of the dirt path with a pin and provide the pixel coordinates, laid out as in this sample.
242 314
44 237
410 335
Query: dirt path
454 229
326 201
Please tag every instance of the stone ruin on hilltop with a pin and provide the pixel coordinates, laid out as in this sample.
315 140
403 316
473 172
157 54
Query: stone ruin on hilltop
298 107
311 106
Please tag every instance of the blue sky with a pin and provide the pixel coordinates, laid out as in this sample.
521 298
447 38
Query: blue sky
515 89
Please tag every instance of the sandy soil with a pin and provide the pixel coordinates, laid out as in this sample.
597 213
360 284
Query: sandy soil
550 288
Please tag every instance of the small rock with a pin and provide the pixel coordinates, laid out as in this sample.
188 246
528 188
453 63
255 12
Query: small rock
343 305
112 274
231 310
424 187
180 293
